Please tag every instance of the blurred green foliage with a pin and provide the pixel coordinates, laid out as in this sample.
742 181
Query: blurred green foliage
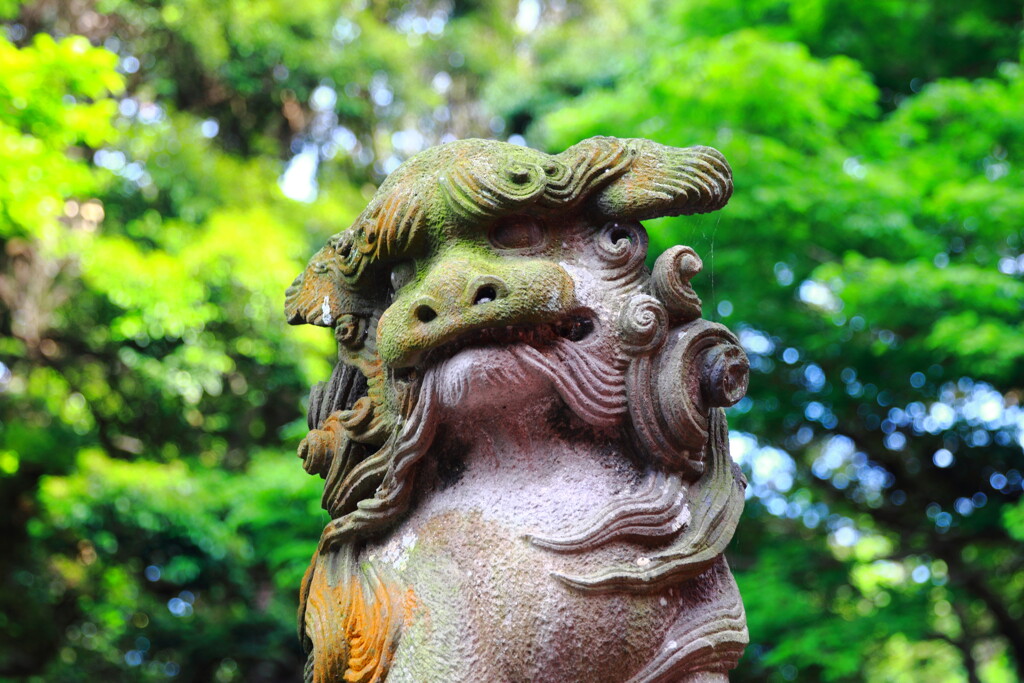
154 523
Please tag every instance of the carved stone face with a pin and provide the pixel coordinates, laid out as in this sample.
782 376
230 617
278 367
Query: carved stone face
470 308
488 280
518 311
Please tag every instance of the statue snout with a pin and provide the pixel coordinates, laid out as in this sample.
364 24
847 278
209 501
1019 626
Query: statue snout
464 292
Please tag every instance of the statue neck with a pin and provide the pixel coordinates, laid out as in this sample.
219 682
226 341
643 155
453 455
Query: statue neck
534 441
536 468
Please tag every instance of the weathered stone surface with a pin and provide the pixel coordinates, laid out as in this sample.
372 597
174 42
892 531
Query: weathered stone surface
525 454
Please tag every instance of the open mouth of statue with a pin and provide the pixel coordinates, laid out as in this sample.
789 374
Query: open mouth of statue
573 328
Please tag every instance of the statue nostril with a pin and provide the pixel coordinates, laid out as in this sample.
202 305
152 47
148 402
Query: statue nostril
485 294
425 313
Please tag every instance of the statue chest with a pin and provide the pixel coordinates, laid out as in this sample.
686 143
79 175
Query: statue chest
481 601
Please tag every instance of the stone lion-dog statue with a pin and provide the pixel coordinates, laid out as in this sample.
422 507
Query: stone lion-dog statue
523 441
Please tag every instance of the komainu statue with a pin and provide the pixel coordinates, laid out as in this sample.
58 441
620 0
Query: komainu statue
524 450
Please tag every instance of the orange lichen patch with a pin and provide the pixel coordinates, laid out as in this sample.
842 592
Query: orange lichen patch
315 295
352 624
410 606
307 582
392 224
369 630
323 608
323 446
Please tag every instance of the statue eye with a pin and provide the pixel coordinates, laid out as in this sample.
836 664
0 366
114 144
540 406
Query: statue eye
517 232
402 274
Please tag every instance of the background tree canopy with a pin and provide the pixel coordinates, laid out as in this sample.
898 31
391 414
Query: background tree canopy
167 166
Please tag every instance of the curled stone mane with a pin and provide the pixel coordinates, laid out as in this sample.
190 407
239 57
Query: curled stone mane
633 362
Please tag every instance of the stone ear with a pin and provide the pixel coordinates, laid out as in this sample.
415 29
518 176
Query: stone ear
317 296
672 392
666 181
686 367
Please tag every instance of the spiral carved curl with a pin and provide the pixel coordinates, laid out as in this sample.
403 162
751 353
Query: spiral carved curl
643 324
670 282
